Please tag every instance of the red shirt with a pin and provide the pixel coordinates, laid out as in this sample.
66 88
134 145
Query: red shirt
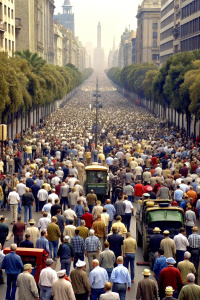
57 188
88 218
138 188
170 276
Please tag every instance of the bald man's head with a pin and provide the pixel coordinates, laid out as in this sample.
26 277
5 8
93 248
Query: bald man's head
108 286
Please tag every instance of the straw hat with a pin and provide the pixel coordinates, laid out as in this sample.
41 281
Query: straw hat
156 229
146 272
169 290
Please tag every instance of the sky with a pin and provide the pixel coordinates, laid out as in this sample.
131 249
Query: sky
114 16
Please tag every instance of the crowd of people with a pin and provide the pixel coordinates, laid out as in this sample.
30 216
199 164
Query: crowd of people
43 169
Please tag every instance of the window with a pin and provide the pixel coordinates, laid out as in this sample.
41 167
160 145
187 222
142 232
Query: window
9 12
8 28
155 25
12 14
6 44
155 35
4 9
155 56
155 45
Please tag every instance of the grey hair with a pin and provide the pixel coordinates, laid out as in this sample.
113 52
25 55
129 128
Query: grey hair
13 247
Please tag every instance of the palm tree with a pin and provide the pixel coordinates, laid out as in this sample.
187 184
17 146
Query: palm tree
35 62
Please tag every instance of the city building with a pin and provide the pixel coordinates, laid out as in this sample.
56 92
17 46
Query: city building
190 25
98 52
127 48
67 17
34 27
169 29
148 32
7 26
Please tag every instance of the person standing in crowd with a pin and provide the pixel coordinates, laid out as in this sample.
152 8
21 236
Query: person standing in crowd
190 291
107 259
129 211
27 243
61 288
146 288
35 189
168 245
42 197
83 230
129 248
4 230
13 200
116 241
33 232
92 247
194 246
185 267
60 222
190 220
111 211
88 218
43 222
181 243
42 242
27 202
53 235
66 255
27 288
97 279
47 277
78 246
120 278
80 281
109 295
99 229
91 199
18 231
12 263
160 263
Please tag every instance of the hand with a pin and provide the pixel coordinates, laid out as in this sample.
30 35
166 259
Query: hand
85 254
124 255
128 289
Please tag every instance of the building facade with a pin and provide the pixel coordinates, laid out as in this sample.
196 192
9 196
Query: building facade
190 25
67 17
148 32
35 31
170 29
99 52
7 26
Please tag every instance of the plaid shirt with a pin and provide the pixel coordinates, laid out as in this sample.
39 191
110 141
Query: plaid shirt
92 243
194 240
78 244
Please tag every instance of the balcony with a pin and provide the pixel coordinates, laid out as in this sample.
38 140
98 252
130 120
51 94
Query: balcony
18 25
2 26
176 31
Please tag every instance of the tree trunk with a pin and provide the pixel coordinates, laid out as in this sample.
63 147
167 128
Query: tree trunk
12 119
17 122
21 120
178 121
195 123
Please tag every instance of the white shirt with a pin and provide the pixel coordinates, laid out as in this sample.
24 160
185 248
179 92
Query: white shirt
13 197
47 277
129 207
21 188
71 182
42 195
53 197
47 209
69 214
43 223
181 242
55 180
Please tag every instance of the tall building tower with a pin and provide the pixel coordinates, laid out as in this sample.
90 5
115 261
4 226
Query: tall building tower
148 32
99 35
99 52
67 17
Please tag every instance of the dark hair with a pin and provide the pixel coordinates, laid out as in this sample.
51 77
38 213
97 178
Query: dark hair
182 229
77 231
58 211
106 244
19 218
160 251
27 235
71 221
43 232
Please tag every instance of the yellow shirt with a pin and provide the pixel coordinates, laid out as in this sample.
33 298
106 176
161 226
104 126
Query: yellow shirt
120 226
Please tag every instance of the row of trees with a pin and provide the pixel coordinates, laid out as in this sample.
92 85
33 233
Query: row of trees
175 85
27 81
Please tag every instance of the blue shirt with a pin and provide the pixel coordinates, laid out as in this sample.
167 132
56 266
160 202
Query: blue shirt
35 188
79 210
111 211
78 244
42 243
160 264
120 274
12 263
92 243
98 277
178 195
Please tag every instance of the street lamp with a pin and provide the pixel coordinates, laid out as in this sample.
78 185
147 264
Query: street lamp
97 95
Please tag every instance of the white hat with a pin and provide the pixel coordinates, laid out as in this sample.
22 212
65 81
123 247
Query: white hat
80 264
66 238
61 273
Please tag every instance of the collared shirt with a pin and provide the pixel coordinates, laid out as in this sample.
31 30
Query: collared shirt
13 197
69 214
160 264
178 195
43 223
194 240
92 244
129 207
47 277
120 274
181 242
129 245
111 211
12 263
98 277
1 257
107 258
42 243
21 188
42 195
78 244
